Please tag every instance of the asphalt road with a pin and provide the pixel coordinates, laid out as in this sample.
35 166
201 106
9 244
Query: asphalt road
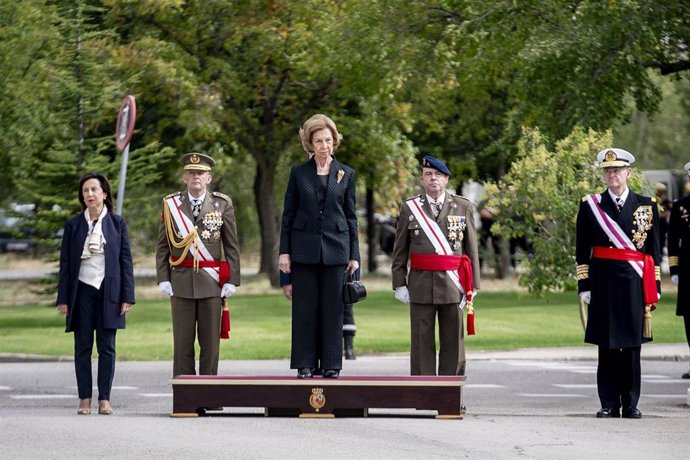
526 404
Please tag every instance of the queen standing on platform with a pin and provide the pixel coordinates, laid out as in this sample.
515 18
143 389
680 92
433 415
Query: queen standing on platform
318 246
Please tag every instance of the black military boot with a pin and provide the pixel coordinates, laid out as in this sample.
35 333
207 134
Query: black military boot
349 347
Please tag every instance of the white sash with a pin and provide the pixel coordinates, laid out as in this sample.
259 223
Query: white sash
613 230
185 226
437 238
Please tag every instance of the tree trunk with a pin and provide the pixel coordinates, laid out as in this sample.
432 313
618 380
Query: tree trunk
268 221
371 231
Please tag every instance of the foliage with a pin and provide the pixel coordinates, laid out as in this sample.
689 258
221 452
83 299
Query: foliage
539 198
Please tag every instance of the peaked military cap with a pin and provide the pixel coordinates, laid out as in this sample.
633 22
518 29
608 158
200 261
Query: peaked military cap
687 168
430 162
197 162
615 158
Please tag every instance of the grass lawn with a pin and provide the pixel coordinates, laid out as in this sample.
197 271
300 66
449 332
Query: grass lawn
261 326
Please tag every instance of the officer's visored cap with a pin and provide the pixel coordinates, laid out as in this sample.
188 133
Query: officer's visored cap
615 158
197 162
687 168
430 162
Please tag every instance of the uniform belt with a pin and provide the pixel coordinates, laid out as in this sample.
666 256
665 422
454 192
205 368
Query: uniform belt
223 266
648 273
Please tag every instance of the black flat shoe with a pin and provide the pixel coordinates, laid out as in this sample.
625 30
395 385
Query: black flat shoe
632 412
608 412
686 375
331 374
304 373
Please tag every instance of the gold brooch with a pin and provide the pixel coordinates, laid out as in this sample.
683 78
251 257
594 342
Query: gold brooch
341 174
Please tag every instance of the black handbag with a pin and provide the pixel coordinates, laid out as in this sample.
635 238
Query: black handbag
353 291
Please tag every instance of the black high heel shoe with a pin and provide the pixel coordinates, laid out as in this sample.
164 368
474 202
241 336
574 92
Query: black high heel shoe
304 373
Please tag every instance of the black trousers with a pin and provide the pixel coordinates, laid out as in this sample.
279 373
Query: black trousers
317 316
686 321
618 377
89 318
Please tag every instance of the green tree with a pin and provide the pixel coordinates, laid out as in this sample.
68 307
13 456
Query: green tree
570 64
245 75
539 198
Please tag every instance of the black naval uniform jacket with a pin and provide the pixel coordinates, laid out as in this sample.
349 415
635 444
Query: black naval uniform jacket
615 314
679 252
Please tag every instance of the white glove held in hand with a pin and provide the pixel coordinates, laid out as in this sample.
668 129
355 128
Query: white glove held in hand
402 294
674 279
166 288
586 296
228 290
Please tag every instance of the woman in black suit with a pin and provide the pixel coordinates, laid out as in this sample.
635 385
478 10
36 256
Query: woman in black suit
96 286
318 246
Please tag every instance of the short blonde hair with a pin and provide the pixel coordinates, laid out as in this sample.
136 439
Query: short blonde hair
317 123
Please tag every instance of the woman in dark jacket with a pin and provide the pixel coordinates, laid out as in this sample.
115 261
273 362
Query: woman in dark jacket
318 245
96 286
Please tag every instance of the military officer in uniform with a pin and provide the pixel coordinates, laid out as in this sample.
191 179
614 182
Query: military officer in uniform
679 258
436 235
197 264
617 253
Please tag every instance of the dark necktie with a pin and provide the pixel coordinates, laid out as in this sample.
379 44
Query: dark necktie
619 203
196 208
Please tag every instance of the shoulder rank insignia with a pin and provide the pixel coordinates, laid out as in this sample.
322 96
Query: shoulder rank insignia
221 195
173 194
584 198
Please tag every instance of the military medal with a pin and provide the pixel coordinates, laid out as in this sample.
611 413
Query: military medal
212 223
642 223
456 229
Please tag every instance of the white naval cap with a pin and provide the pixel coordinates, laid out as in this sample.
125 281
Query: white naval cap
611 158
687 167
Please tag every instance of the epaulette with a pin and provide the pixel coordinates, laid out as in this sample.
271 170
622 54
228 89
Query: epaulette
172 194
584 198
413 197
653 199
221 195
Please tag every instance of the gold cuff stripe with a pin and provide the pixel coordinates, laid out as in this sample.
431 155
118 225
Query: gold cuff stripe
657 273
673 261
582 272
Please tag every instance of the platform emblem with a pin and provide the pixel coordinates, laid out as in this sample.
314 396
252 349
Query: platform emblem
317 399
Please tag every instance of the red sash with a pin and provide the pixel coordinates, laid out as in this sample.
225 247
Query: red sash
651 296
463 264
222 266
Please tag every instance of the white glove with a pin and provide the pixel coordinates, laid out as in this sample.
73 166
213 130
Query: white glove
166 288
586 296
674 279
474 294
228 290
402 294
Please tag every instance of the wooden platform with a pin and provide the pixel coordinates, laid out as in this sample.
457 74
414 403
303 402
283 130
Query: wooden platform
318 397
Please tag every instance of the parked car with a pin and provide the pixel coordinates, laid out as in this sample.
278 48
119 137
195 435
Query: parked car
13 236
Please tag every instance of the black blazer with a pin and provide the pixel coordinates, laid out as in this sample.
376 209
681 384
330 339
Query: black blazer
118 284
306 232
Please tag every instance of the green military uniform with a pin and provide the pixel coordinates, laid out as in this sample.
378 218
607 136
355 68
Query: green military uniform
434 292
196 302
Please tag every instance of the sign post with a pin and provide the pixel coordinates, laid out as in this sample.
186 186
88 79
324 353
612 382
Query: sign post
123 134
